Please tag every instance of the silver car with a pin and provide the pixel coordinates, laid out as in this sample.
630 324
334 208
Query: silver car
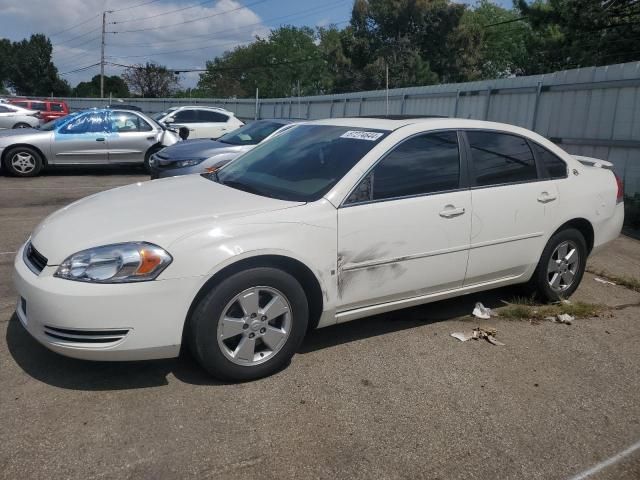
92 137
12 116
201 156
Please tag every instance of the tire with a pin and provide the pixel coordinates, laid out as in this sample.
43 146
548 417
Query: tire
554 267
23 162
21 125
250 342
147 156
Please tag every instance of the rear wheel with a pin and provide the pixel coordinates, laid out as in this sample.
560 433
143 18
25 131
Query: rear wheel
249 325
22 125
23 162
561 266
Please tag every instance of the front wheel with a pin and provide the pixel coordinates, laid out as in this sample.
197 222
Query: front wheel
249 325
23 162
21 125
147 156
561 266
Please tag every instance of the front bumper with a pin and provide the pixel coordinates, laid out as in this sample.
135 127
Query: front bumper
131 321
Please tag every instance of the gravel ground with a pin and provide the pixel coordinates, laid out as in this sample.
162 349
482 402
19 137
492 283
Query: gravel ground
391 396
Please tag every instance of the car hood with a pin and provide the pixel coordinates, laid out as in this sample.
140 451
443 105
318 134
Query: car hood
160 212
197 148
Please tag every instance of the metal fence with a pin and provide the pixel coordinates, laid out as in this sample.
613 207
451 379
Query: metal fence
589 111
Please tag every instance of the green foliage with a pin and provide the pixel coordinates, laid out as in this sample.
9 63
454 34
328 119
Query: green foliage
113 85
579 33
274 65
28 68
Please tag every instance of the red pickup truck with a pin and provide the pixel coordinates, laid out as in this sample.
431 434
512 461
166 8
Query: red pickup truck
49 109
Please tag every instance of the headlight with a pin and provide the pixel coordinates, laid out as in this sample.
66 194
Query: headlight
117 263
189 163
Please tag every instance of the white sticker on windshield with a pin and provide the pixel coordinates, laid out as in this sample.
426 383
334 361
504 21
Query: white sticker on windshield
359 135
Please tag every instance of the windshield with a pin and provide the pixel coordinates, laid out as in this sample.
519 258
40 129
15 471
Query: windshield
251 134
159 116
53 124
301 164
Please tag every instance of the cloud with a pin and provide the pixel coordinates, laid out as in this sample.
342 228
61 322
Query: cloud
209 30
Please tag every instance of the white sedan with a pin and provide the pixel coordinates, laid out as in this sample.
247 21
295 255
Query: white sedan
331 221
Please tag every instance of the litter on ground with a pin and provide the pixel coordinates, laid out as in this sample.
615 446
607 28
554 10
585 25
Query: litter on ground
602 280
489 334
480 311
562 318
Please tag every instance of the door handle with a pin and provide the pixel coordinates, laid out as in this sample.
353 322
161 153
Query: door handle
100 139
450 212
545 197
151 138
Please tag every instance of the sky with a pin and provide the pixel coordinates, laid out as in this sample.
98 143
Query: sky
180 34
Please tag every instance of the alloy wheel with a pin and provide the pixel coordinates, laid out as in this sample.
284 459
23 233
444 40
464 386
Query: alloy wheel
254 326
23 162
563 266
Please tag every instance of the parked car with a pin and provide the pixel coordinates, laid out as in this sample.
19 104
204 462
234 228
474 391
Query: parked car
92 137
328 222
124 107
202 122
49 109
13 116
200 156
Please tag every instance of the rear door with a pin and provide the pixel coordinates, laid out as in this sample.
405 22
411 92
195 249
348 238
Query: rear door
82 140
130 139
211 124
187 117
7 117
514 207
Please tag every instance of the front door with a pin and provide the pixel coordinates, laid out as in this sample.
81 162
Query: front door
404 230
514 207
130 139
82 140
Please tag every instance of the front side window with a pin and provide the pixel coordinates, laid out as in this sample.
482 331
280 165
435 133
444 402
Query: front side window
186 116
500 158
208 116
39 106
22 104
93 122
422 165
301 164
554 166
123 122
251 134
4 109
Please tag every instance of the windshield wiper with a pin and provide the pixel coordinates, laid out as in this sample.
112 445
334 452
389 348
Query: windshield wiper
241 186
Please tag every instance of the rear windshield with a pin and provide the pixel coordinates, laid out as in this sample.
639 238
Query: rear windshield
251 134
301 164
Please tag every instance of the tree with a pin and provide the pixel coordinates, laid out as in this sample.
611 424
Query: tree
274 65
6 53
151 80
578 33
31 71
113 85
502 39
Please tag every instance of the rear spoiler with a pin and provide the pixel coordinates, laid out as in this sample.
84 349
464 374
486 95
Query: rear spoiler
594 162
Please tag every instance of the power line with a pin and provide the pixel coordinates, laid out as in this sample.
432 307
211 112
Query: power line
193 20
164 13
247 67
80 69
135 6
299 14
505 22
77 37
74 26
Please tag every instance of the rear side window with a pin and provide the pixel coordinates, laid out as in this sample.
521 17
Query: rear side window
421 165
500 158
554 166
4 109
209 116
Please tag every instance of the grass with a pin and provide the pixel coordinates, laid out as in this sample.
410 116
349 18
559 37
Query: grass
631 283
527 309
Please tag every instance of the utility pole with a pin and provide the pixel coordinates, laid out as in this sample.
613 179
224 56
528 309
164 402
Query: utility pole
386 65
104 31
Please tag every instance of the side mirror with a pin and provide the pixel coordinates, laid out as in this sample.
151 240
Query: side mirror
170 120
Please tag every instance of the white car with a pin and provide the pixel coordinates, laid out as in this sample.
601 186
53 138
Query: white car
328 222
12 116
202 122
